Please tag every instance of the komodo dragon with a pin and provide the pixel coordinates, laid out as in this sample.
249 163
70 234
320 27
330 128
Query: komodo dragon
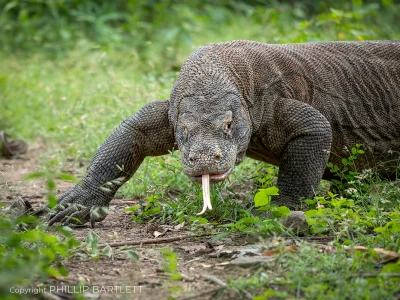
295 106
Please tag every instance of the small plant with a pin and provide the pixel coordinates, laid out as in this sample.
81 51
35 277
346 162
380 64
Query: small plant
34 254
368 204
91 248
327 214
347 178
146 210
170 265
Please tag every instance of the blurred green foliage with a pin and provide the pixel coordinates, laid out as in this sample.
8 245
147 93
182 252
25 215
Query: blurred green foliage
29 255
59 25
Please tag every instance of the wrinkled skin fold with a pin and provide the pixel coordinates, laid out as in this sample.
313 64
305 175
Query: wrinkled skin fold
297 106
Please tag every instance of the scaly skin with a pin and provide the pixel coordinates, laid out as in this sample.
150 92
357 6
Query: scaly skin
146 133
295 105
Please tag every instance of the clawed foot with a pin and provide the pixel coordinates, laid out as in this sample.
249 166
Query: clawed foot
78 206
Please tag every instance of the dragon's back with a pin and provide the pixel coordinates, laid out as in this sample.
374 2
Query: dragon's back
355 85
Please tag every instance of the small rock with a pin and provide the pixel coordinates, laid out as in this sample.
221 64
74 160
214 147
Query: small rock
19 208
10 149
297 222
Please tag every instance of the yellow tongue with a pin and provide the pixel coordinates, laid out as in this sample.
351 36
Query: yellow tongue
205 179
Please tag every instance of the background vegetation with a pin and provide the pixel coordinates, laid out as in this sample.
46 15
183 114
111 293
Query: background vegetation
71 70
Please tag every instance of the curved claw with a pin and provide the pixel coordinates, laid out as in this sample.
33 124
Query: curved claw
97 214
60 216
76 217
79 205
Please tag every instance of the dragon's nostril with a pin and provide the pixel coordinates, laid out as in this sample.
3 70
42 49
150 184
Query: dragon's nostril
217 157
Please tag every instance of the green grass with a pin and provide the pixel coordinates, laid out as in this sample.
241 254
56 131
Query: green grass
72 101
310 274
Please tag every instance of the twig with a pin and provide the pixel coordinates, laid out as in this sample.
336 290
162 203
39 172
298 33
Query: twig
214 279
168 275
154 241
192 260
317 238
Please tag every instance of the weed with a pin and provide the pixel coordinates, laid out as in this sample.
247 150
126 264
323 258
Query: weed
171 264
32 254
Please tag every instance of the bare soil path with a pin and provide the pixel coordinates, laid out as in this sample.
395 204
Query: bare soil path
205 268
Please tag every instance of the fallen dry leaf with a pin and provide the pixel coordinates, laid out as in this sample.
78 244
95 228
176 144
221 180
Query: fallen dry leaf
286 249
385 256
179 226
157 233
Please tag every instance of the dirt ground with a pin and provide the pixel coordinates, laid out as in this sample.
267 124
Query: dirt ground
205 267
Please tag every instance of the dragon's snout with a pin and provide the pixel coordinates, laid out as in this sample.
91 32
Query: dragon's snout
199 158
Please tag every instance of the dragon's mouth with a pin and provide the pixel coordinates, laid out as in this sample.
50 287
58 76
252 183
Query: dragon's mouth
214 178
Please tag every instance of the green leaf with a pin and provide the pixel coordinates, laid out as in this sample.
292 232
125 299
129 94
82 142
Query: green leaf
67 177
281 212
52 200
220 236
176 276
380 229
132 255
391 268
198 220
260 199
263 197
10 5
92 240
319 227
332 195
50 239
107 251
153 211
53 272
51 184
133 208
35 175
311 213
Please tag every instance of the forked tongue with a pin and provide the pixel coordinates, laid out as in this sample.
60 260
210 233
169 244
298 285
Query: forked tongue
205 179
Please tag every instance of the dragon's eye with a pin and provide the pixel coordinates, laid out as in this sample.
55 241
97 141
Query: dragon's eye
228 125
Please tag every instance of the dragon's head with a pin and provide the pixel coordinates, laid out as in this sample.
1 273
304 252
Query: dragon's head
212 127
